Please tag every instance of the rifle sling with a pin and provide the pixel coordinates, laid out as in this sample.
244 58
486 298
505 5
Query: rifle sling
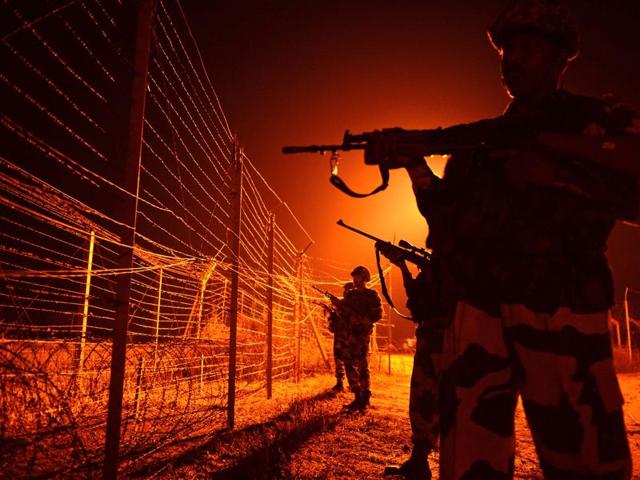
383 287
337 182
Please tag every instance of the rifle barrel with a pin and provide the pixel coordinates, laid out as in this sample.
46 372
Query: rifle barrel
360 232
322 148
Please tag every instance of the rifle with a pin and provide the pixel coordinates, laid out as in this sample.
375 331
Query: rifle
616 153
440 141
337 302
416 255
324 306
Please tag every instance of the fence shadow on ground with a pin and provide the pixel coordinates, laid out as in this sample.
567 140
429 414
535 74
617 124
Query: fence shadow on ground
265 448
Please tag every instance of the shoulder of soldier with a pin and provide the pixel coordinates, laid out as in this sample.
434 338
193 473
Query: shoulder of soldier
363 293
603 115
372 295
370 291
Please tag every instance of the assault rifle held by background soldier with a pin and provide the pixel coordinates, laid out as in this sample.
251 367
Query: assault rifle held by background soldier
337 302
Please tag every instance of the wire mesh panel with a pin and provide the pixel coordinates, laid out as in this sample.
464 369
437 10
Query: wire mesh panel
61 196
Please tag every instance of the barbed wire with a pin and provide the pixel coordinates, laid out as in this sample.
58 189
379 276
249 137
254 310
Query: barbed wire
60 244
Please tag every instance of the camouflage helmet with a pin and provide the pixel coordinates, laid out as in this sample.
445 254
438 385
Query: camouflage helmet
361 270
550 18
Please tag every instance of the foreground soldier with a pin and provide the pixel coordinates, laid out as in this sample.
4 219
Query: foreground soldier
337 326
360 308
525 243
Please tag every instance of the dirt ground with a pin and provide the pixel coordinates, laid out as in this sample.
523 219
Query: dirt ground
315 440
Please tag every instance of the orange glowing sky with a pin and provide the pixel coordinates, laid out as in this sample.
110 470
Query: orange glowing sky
300 72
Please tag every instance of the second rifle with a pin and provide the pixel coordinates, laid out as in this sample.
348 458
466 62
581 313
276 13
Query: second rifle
412 254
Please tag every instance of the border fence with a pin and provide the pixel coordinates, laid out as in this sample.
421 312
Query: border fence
146 284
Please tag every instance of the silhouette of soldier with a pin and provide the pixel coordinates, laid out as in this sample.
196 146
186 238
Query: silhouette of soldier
360 309
523 232
336 326
431 309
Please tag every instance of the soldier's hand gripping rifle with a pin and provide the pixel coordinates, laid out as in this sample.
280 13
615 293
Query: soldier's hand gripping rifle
327 309
337 302
403 251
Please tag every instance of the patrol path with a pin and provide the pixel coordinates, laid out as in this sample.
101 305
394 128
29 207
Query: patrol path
316 440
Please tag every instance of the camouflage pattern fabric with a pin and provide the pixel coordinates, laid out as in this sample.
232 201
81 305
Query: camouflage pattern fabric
339 364
547 17
424 391
533 289
358 376
352 337
562 367
424 414
540 247
336 325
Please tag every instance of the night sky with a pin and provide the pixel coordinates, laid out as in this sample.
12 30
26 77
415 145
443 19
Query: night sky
302 71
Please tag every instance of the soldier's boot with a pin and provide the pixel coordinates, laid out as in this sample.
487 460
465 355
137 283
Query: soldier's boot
339 386
364 400
357 401
415 468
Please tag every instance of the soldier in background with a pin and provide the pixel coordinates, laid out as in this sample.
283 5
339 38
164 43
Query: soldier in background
525 236
337 326
360 309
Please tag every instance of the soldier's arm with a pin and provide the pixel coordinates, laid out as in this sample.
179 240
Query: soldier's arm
333 319
419 295
602 163
375 307
425 185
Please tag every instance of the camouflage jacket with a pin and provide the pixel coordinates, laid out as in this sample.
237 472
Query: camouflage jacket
541 247
354 329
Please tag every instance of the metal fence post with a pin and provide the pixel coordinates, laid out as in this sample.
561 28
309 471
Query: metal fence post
203 290
131 156
201 373
270 242
298 324
628 322
389 325
138 396
236 205
155 350
85 309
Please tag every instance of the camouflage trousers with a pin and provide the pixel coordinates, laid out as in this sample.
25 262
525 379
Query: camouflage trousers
424 393
562 367
357 370
339 363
